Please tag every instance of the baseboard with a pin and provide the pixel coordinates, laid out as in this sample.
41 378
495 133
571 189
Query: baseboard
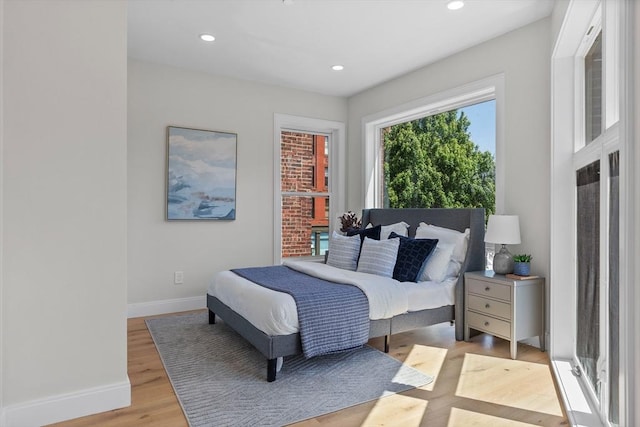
153 308
67 406
533 342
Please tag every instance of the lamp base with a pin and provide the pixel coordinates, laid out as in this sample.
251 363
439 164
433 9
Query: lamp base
503 261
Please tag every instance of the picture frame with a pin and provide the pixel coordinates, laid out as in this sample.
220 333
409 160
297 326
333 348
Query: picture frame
201 174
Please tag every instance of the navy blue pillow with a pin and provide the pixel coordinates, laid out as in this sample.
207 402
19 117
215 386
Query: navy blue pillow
412 255
371 232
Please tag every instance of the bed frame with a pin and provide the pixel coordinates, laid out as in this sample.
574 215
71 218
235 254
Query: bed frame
274 346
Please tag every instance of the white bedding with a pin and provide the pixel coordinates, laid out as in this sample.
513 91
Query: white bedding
274 313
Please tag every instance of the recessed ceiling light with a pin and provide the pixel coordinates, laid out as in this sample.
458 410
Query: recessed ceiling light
337 68
207 37
455 4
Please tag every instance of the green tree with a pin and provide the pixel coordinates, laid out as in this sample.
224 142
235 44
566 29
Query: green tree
432 162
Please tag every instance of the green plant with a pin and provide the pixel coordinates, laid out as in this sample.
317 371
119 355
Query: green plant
522 258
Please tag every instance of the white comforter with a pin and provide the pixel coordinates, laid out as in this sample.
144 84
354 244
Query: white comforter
274 313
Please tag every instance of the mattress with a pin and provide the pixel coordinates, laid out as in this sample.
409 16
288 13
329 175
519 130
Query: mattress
274 313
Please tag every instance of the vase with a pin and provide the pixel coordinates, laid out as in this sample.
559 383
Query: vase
522 268
503 261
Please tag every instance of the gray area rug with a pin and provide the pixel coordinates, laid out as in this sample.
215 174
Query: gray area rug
220 379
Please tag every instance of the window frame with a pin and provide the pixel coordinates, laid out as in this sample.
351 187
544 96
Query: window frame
490 88
567 154
335 131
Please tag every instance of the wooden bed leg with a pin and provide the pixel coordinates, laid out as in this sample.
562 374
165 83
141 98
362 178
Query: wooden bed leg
271 369
212 318
386 343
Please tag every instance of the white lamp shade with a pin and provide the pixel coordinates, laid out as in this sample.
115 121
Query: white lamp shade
503 229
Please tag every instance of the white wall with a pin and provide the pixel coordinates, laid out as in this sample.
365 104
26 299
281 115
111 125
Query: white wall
634 386
2 415
160 96
63 213
523 57
558 13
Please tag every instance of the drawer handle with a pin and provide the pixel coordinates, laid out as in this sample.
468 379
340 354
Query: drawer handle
486 323
487 305
487 289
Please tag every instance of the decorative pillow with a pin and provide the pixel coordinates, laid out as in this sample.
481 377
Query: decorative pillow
400 228
372 233
343 251
412 255
453 270
446 235
378 256
437 264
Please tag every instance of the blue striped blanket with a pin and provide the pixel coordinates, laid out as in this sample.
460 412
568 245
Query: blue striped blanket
332 317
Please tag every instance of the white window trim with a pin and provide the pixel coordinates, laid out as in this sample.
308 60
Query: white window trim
473 93
337 184
580 409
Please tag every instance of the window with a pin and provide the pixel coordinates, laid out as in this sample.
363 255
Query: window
591 314
305 197
588 270
395 138
593 90
309 184
440 161
597 233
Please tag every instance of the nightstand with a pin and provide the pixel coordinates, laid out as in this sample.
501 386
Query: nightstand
512 309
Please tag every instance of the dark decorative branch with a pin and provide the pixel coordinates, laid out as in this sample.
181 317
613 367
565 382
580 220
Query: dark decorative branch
349 221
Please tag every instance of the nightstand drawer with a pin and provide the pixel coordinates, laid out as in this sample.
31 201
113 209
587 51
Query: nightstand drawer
488 289
489 324
489 306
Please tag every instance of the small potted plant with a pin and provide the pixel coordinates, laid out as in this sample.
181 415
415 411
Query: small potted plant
522 264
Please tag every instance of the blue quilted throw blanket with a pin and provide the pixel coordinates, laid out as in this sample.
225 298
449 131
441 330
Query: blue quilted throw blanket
332 317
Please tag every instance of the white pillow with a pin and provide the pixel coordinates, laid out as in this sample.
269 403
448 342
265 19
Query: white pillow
344 251
378 256
400 228
446 235
453 270
437 264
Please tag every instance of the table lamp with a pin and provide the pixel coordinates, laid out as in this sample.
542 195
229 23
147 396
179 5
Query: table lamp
504 230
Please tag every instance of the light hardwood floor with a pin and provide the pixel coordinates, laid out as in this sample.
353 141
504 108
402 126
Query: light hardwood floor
476 384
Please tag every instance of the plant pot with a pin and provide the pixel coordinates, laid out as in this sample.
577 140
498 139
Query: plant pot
522 268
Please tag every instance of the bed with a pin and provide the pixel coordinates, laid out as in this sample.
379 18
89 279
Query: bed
240 303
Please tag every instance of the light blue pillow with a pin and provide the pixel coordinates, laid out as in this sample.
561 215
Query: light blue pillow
344 251
436 266
378 256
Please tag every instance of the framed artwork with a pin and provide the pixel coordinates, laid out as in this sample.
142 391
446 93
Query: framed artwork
201 174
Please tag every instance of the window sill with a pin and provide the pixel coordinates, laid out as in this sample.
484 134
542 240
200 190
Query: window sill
319 258
580 409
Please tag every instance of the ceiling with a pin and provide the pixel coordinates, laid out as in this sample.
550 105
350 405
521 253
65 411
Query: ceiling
294 43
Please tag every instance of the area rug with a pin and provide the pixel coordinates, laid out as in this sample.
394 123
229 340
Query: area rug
220 379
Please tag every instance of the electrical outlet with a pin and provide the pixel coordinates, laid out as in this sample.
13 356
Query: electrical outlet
178 277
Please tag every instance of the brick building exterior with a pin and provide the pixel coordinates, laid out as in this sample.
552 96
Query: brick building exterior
303 168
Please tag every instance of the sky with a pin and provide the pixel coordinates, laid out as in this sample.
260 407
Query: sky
483 125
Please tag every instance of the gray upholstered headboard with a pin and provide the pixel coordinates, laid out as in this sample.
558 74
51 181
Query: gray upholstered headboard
457 219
